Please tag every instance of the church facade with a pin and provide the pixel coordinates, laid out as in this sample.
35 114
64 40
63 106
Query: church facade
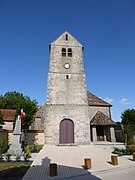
71 114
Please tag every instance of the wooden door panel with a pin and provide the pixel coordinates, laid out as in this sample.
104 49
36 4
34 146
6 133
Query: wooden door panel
66 132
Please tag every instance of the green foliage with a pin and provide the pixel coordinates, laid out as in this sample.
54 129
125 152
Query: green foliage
16 100
3 146
130 149
128 120
1 157
35 148
26 154
119 151
1 119
127 151
13 170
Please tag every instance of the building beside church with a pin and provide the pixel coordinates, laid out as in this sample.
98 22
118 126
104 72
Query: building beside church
71 114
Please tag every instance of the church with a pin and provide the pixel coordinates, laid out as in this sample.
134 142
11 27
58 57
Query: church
71 114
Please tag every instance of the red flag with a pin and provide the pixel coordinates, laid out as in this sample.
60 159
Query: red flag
22 114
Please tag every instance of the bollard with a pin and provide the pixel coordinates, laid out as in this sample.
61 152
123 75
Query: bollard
133 154
114 160
87 163
53 169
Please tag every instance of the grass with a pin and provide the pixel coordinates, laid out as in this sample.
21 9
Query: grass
13 170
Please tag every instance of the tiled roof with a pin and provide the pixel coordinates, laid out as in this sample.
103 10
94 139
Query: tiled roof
101 119
39 112
96 101
8 114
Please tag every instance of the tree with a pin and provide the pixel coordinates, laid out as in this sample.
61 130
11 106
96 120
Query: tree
128 120
16 100
1 119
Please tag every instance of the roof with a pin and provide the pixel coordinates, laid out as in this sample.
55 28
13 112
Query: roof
72 40
101 119
39 112
8 114
96 101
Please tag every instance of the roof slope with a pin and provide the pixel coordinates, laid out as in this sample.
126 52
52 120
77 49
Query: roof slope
71 40
101 119
96 101
8 114
39 112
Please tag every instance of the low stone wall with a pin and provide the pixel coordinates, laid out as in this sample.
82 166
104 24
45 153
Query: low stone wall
32 137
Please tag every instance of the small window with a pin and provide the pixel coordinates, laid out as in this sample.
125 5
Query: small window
66 76
66 37
63 52
69 52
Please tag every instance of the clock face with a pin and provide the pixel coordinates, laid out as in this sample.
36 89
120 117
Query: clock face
66 66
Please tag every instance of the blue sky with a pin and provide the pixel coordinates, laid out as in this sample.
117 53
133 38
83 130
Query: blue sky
106 28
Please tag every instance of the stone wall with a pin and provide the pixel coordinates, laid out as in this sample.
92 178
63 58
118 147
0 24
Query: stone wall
66 92
75 113
8 125
34 137
94 109
38 124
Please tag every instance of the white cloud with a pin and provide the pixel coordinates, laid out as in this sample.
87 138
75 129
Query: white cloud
125 101
109 100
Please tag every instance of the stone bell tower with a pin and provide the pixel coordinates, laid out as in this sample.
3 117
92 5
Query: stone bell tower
66 111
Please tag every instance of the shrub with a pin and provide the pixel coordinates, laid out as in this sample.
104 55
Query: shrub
35 148
130 149
26 154
3 146
119 151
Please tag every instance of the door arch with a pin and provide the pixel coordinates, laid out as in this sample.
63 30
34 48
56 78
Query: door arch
66 131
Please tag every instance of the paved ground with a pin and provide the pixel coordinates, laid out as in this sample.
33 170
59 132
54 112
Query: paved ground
124 173
70 160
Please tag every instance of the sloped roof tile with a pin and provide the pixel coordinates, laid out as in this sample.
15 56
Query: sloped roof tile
96 101
8 114
101 119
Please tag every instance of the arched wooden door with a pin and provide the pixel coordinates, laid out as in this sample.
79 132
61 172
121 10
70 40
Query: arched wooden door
66 131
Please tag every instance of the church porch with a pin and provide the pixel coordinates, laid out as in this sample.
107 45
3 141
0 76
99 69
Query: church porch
102 128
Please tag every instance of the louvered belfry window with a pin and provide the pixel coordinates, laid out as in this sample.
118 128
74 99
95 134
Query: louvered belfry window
69 52
63 51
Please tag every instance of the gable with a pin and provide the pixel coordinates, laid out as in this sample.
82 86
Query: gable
101 119
96 101
66 39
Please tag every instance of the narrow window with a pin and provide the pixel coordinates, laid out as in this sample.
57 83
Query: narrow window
66 37
69 52
63 52
66 76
